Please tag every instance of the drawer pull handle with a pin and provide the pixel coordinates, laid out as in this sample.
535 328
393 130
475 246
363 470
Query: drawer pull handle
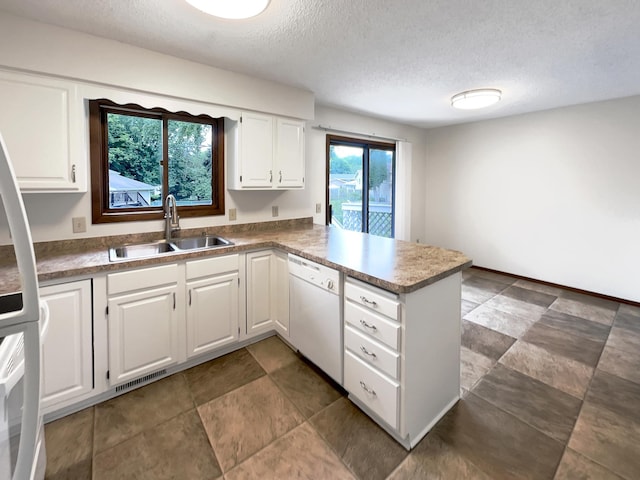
367 352
370 391
364 299
366 325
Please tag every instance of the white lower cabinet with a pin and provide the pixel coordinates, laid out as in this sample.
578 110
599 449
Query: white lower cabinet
67 358
212 304
143 321
377 391
280 293
372 342
259 301
267 292
402 354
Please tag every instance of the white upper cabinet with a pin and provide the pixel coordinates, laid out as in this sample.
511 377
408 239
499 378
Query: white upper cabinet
289 154
41 121
256 151
264 153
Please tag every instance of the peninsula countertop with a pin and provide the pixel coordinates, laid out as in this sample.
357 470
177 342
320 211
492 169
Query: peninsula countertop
394 265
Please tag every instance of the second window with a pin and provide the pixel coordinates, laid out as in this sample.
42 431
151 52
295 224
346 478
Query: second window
361 185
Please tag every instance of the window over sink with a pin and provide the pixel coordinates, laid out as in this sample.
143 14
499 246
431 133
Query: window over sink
140 155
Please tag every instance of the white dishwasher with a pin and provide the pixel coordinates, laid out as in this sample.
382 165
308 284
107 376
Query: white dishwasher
316 314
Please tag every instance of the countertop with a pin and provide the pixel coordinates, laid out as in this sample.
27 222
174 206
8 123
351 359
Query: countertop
394 265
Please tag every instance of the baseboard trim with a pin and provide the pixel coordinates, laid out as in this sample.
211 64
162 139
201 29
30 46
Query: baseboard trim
550 284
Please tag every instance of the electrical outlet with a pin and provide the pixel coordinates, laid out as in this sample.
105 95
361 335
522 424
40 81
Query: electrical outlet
232 214
274 211
79 224
318 208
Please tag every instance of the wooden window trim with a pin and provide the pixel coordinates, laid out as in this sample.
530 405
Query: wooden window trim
98 151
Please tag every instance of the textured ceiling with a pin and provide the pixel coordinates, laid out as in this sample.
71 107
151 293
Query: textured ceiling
399 60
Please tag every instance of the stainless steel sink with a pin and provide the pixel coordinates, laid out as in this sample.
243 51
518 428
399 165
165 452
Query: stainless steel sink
193 243
160 247
140 250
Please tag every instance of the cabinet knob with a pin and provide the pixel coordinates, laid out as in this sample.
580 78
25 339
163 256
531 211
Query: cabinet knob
280 181
270 176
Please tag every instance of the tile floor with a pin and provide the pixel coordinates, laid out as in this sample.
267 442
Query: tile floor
550 382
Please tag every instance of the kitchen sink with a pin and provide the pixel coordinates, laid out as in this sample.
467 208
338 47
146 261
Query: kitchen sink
140 250
193 243
153 249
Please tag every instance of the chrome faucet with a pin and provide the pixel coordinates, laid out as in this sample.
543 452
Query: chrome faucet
171 218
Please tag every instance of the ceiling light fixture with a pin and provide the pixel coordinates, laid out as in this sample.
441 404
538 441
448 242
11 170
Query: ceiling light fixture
473 99
232 9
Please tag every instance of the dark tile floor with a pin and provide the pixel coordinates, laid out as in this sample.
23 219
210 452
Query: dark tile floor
550 382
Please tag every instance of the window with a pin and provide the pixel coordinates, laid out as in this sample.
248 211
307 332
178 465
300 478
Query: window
139 156
352 164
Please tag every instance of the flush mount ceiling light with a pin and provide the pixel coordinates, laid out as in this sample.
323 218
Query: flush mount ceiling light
473 99
232 9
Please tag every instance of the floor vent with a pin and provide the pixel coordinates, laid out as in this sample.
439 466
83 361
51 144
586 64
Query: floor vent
138 381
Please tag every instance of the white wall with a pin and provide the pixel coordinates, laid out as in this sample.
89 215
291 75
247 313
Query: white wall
553 195
103 65
342 120
42 48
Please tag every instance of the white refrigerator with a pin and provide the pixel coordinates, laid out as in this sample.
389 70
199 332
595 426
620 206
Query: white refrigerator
23 322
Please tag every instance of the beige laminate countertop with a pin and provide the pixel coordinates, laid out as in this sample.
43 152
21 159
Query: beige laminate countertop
394 265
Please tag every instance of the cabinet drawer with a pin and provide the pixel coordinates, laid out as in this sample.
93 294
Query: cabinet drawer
372 352
377 326
212 266
377 300
371 388
125 282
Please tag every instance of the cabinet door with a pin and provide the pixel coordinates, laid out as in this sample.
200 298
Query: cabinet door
289 154
67 359
40 122
280 293
259 268
212 313
143 333
256 150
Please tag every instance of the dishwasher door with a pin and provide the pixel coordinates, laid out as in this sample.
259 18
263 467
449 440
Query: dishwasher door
316 325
